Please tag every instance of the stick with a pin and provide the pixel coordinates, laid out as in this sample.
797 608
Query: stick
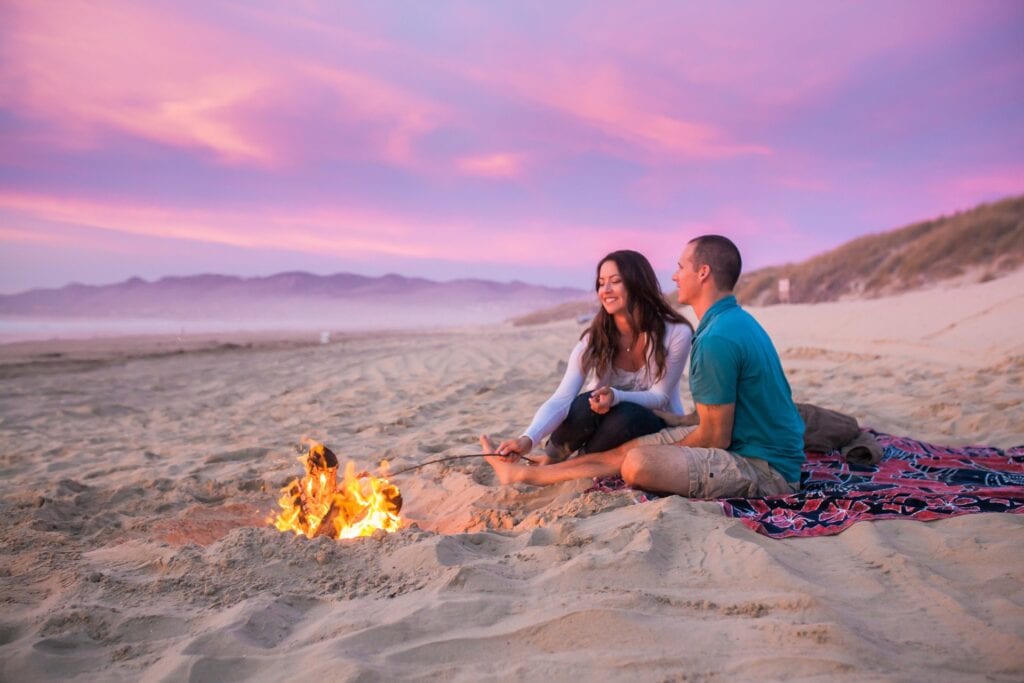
446 459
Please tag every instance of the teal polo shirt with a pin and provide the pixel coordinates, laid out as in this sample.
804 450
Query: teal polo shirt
734 361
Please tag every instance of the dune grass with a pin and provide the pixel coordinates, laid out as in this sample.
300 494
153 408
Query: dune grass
987 241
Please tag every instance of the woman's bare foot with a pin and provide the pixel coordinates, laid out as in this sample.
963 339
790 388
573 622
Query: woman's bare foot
507 471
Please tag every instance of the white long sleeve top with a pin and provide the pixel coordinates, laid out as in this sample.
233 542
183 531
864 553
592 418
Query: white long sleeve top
638 387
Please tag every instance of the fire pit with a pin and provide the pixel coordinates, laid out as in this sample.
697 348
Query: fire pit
315 505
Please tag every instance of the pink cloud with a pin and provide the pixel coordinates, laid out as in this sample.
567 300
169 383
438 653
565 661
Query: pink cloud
88 69
558 245
989 184
337 231
58 235
13 235
606 99
407 116
502 165
942 195
764 50
344 232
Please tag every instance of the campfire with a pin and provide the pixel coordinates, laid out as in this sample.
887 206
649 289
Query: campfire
316 505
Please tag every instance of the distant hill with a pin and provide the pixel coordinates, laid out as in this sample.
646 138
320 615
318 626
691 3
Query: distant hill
342 300
979 244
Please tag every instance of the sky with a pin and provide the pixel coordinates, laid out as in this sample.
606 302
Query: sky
498 140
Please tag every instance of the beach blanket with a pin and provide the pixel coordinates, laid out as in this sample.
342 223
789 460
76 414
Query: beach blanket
914 480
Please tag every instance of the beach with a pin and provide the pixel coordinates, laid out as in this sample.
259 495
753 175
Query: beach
140 474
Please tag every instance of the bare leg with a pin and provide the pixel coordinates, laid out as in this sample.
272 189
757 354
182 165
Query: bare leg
606 464
665 469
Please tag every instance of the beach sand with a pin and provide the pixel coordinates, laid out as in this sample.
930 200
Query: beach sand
138 477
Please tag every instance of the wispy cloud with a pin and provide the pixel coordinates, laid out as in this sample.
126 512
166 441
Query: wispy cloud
359 236
142 70
994 183
611 113
501 165
91 69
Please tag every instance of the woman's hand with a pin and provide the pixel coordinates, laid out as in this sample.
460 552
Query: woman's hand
601 400
514 448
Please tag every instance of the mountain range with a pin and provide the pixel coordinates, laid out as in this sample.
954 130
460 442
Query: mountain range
342 301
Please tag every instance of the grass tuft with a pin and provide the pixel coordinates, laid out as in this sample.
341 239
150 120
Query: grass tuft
989 239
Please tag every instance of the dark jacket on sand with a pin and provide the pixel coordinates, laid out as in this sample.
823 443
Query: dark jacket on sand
827 430
824 431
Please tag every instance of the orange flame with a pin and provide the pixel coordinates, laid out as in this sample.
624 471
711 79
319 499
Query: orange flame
315 505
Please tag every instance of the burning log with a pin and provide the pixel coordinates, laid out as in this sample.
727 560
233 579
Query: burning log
316 505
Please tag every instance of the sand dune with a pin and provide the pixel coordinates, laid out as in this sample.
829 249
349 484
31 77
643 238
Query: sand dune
138 483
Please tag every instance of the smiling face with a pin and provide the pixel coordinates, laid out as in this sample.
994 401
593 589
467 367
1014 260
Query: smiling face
686 277
611 290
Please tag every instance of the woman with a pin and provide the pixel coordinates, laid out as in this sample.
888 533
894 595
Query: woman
629 363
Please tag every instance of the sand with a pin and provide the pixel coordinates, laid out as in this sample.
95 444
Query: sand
138 476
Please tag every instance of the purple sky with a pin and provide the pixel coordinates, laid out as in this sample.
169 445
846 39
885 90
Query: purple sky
497 140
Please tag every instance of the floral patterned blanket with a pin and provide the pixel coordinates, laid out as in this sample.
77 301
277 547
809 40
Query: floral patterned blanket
914 480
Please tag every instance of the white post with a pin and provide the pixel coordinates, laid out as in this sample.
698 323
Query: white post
784 290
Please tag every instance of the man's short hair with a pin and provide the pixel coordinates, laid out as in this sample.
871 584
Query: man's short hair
722 256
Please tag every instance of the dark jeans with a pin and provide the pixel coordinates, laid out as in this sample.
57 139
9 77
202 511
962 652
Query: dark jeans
586 431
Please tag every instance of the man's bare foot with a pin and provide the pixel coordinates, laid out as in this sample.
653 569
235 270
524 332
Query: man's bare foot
508 472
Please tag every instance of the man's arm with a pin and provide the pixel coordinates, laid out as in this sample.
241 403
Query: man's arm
715 428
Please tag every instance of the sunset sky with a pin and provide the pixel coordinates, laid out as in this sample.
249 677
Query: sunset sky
515 140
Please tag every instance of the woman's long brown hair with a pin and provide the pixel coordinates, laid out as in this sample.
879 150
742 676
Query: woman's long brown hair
647 309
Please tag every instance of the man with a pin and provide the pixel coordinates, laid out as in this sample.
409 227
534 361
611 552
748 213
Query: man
749 441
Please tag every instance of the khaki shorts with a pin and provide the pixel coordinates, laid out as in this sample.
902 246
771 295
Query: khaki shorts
718 473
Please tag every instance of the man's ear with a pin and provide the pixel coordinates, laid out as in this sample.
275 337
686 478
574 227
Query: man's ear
704 272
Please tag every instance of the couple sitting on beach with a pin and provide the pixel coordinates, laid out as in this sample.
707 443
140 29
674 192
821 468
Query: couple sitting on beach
749 438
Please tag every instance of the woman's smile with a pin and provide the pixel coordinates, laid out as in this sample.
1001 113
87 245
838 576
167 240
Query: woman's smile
610 289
